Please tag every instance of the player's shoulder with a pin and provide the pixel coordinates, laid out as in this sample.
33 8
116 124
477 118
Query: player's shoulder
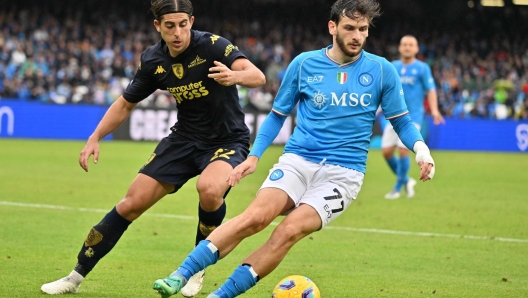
308 55
421 64
152 56
204 38
397 62
382 61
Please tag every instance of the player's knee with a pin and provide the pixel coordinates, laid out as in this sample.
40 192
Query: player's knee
129 209
286 236
210 197
253 223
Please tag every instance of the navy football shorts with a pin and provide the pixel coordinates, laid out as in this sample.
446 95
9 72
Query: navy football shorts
177 158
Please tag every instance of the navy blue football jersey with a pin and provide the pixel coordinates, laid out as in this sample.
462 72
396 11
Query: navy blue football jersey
207 110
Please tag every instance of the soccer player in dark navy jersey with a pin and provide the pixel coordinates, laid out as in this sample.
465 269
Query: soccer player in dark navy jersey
210 138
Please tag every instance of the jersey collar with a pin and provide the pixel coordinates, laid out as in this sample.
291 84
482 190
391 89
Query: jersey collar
341 64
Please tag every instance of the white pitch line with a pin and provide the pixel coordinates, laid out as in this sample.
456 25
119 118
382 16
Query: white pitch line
363 230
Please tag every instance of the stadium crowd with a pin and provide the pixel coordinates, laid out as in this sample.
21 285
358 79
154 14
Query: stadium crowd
87 55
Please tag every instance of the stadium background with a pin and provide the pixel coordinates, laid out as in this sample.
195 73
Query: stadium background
78 54
463 235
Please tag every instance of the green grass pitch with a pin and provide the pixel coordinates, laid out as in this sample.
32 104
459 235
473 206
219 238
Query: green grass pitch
465 234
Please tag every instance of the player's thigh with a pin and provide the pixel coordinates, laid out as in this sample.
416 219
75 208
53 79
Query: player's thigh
172 161
389 138
292 174
141 195
300 222
268 205
333 191
215 163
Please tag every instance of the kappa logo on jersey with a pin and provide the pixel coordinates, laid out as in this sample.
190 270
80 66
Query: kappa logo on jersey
177 69
196 61
214 38
319 99
159 70
230 49
365 79
342 77
189 91
276 175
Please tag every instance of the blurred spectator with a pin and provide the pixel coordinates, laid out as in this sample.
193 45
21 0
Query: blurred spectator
83 53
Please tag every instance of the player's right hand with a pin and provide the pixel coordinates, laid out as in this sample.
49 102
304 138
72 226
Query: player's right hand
91 147
242 170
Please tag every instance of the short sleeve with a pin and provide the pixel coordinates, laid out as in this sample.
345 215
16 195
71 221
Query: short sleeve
223 50
392 97
142 85
427 79
288 94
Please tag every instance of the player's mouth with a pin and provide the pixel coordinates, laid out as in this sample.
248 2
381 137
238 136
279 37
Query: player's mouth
177 43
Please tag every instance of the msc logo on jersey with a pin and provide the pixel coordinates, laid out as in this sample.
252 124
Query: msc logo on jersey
177 69
276 175
342 77
214 38
159 70
365 79
319 99
196 61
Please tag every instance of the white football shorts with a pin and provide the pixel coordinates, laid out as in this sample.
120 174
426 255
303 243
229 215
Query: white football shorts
390 137
329 189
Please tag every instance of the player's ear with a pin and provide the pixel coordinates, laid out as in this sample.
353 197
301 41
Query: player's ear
191 21
332 27
157 25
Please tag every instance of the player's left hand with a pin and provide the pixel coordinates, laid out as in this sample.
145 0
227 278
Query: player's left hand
426 171
222 74
437 118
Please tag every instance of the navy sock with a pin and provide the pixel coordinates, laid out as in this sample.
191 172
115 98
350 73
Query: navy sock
208 221
202 256
100 240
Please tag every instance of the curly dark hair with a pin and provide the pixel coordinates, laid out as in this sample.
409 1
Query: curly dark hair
162 7
355 9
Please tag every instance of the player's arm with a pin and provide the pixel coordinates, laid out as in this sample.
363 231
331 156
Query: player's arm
242 72
231 66
286 99
395 109
139 88
432 96
113 118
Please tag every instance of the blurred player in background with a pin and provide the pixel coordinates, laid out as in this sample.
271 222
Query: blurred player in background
338 90
417 81
200 69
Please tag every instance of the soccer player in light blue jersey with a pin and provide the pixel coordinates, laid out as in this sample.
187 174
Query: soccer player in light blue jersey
338 90
417 82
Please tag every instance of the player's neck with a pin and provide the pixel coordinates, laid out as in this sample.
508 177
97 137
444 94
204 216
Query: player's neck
340 57
408 60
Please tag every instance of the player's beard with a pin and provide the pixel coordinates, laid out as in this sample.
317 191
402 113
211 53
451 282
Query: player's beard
343 47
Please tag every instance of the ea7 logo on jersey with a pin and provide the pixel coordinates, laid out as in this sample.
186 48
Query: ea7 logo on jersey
315 79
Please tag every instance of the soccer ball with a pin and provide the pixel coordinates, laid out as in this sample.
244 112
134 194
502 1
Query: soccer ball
296 286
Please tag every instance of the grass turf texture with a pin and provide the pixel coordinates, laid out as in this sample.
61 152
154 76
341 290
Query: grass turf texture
480 194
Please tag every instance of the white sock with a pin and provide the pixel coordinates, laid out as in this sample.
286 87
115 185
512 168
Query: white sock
75 277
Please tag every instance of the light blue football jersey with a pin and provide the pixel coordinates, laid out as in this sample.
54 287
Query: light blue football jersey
337 105
417 80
